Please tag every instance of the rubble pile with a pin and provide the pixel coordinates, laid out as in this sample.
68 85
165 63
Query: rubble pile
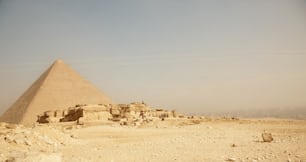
41 143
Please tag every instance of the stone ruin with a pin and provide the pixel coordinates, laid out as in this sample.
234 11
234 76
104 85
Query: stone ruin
126 114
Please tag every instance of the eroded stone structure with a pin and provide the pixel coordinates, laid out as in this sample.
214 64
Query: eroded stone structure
126 113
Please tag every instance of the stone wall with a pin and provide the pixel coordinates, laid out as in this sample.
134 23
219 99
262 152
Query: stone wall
79 112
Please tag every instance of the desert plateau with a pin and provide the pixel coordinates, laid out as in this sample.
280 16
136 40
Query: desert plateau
205 139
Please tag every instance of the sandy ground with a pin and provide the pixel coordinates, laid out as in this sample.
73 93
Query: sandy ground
179 140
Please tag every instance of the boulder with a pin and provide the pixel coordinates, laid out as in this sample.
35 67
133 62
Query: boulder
11 126
267 137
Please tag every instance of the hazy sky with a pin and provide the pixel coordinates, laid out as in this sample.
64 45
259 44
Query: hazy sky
193 56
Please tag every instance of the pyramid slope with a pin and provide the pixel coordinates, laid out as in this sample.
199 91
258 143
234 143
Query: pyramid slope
57 88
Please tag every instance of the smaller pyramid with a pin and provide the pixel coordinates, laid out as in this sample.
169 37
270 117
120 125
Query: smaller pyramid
59 87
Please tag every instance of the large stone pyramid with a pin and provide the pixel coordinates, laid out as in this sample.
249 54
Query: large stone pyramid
58 87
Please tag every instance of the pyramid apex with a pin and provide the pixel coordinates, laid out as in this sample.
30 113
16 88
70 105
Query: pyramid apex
58 61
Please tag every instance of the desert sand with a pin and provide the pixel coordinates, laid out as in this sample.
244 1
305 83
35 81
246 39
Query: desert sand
207 139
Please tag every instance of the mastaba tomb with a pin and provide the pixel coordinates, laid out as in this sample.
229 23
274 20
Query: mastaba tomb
127 114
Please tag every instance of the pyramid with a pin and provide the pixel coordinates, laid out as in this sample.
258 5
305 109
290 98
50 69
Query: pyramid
59 87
